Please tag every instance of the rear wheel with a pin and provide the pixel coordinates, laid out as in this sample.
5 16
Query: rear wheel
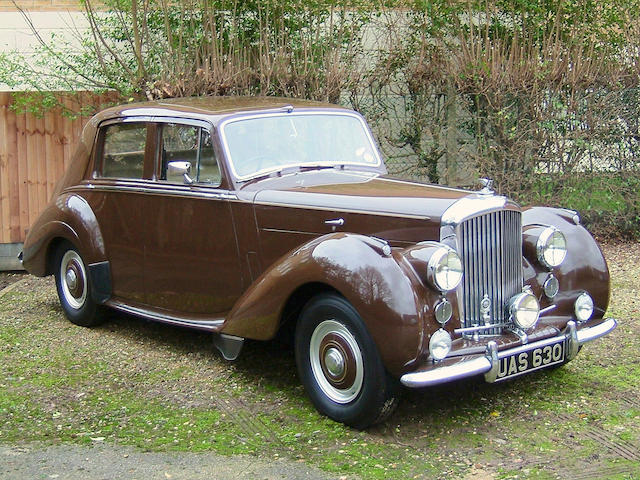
74 287
339 364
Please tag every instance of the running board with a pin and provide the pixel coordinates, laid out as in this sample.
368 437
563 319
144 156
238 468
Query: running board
228 345
206 325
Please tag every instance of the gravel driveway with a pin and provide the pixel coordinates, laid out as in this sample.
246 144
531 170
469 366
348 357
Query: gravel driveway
75 462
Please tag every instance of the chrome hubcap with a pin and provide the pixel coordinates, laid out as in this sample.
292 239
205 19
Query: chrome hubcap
73 279
334 362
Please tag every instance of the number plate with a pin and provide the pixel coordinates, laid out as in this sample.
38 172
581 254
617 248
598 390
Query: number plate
524 362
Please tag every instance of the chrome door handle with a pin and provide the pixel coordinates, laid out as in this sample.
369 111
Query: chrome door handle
336 222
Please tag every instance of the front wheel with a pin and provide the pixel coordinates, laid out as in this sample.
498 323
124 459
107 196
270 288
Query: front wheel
339 364
74 287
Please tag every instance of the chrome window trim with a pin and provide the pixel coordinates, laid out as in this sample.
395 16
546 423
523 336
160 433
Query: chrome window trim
116 120
96 171
185 121
193 122
157 119
240 118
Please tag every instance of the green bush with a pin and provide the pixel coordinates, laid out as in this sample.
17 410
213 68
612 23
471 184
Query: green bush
608 203
541 96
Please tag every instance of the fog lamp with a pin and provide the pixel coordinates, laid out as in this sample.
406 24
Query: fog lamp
584 307
524 310
440 344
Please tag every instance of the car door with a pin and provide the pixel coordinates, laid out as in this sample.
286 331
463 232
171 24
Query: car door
191 260
123 169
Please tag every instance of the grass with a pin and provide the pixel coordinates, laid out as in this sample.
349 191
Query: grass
159 388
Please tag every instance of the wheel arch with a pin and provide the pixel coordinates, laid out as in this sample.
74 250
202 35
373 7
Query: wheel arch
68 218
295 304
584 268
355 267
51 250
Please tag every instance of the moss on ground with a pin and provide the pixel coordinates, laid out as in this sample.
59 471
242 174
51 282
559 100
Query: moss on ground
137 383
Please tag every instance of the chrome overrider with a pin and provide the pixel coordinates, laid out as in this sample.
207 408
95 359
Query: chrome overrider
488 364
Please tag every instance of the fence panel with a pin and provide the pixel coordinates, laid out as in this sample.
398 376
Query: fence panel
34 152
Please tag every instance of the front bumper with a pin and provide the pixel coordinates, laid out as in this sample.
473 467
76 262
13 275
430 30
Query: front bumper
456 368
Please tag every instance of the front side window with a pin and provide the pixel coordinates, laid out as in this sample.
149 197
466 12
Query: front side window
123 150
187 143
272 142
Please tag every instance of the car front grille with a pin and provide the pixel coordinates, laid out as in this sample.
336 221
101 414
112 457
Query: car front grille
491 252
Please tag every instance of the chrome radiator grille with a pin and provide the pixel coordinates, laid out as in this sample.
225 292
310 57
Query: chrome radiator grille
491 252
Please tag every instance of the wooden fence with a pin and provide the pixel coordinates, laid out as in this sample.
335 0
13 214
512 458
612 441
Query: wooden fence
34 152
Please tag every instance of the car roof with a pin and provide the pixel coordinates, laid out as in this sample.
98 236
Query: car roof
212 108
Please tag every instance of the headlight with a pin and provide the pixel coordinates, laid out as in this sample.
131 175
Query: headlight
524 310
440 344
551 247
584 307
444 269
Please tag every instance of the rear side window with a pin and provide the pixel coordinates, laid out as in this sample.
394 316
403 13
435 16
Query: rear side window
123 150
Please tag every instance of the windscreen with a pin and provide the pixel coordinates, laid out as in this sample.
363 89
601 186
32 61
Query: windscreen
272 142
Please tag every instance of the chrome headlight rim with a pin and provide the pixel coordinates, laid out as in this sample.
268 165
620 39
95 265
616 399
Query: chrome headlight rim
442 254
519 306
544 244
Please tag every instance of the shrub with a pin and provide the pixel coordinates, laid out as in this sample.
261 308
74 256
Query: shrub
158 49
522 92
543 97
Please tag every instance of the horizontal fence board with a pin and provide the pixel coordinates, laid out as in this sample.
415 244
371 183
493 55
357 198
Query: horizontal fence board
34 153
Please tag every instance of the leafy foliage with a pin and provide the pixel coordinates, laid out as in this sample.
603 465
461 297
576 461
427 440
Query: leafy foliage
157 49
513 90
517 90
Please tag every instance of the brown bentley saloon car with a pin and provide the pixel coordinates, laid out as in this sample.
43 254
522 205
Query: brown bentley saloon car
245 217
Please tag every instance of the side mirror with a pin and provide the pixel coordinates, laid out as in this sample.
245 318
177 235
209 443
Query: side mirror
180 168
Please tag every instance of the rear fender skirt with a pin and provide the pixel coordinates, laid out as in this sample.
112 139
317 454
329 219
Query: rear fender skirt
69 217
358 267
